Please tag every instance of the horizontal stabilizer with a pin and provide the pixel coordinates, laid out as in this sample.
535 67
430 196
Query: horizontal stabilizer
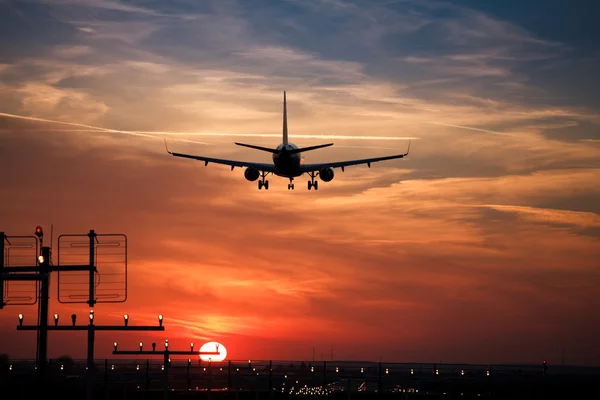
257 147
300 150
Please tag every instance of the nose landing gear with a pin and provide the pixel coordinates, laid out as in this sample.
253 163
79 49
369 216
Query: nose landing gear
291 184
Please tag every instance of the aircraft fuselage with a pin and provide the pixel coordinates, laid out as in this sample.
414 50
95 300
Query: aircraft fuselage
287 164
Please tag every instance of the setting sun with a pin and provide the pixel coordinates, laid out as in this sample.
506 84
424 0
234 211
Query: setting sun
213 351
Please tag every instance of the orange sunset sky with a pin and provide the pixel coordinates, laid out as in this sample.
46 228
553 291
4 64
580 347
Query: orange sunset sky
483 245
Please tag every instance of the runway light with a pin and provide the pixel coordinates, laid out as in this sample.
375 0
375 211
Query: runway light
412 371
10 367
115 344
41 259
141 345
153 346
126 319
55 319
91 316
73 318
387 371
166 344
160 319
112 367
62 367
191 346
189 361
20 319
137 367
462 372
337 369
39 232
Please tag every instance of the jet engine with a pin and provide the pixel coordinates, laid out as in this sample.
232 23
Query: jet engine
326 174
251 174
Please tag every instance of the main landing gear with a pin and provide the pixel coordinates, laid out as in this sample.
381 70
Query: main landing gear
291 184
262 182
312 183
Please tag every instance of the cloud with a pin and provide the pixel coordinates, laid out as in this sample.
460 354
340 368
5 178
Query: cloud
488 229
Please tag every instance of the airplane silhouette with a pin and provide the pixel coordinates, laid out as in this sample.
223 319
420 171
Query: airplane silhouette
287 161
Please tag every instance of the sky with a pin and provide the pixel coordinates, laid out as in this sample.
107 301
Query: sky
481 246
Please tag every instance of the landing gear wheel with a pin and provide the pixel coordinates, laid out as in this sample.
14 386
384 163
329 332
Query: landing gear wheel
266 184
260 185
312 183
290 186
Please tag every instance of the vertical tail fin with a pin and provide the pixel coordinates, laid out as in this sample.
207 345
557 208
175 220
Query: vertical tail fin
285 131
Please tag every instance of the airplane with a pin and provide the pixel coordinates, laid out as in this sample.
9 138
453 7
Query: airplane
287 161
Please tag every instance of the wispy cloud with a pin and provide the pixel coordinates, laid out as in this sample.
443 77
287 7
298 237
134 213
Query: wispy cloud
484 215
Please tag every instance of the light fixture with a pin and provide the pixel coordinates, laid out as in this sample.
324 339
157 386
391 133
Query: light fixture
166 344
191 346
126 319
141 345
91 316
20 319
55 319
41 259
153 346
73 318
160 319
115 344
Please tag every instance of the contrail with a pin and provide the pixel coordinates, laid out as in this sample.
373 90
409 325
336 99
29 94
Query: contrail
470 128
92 128
152 134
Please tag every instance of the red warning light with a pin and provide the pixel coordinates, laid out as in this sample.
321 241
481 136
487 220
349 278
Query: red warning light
38 231
544 361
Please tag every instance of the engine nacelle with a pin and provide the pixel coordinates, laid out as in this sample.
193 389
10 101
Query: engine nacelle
326 174
251 174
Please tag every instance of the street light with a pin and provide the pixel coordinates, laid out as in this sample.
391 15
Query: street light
55 319
73 318
20 319
126 319
160 318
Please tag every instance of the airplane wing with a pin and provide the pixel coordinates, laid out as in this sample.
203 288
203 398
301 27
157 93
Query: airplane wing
232 163
342 164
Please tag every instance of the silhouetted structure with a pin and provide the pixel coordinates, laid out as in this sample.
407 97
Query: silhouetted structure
40 272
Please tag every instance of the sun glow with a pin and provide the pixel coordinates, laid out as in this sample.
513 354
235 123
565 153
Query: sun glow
213 351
